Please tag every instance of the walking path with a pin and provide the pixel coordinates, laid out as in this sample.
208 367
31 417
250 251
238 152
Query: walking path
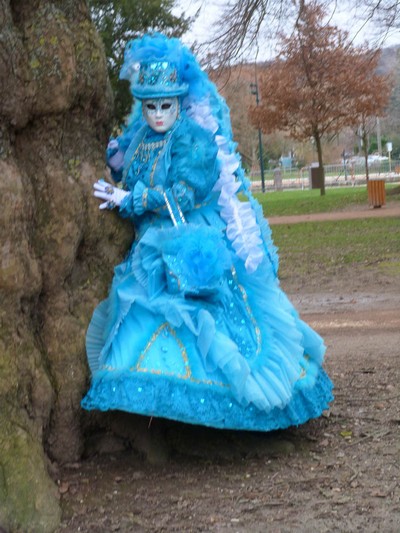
391 210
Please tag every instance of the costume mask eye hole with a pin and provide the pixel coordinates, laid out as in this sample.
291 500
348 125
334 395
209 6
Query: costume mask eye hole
166 106
151 107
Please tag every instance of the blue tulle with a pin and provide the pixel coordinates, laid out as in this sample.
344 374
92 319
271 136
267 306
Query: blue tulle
246 344
169 398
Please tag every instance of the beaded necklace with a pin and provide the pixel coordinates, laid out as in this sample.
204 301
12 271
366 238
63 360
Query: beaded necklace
143 154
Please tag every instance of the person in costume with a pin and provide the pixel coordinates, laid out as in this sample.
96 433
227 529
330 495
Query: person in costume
196 327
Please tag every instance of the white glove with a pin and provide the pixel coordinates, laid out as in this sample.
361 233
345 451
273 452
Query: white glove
112 195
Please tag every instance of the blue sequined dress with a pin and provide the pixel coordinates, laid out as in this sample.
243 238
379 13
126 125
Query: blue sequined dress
190 331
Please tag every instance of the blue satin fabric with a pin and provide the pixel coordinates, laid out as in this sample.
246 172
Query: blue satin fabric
186 332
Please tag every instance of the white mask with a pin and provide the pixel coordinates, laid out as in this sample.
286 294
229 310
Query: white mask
160 113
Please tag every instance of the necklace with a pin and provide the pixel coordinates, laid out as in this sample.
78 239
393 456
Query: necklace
143 153
145 150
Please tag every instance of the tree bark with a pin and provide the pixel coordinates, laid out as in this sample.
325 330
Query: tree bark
318 145
365 151
58 250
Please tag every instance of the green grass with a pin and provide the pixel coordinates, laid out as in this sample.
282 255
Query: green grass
328 246
310 201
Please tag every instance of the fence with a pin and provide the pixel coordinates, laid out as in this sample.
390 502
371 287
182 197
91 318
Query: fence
335 175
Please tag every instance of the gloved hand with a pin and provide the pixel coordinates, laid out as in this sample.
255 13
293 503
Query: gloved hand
112 195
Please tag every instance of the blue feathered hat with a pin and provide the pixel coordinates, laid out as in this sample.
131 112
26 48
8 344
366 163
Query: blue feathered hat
160 67
155 66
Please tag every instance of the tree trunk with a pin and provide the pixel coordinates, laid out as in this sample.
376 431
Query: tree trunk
58 250
318 145
365 150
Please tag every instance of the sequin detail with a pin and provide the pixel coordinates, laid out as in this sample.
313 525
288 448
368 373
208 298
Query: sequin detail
158 73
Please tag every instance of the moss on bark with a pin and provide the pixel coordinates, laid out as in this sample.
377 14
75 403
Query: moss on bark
28 497
58 250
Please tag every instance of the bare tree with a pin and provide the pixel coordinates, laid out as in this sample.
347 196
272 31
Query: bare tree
385 12
244 23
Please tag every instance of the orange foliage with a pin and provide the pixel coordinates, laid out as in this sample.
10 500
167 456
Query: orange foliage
320 83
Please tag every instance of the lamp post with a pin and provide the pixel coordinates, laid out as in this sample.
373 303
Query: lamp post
254 90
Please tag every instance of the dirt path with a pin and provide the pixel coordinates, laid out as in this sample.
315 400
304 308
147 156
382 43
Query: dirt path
339 473
390 210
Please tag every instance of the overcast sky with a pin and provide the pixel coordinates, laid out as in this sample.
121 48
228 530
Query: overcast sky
345 18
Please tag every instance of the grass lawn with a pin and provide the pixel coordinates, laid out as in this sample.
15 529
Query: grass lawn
310 201
330 246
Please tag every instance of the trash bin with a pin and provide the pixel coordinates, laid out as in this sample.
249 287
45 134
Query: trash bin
316 177
376 192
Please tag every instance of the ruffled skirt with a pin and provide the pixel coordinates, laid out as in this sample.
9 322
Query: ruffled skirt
187 334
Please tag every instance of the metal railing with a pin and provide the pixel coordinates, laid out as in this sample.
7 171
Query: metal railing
335 175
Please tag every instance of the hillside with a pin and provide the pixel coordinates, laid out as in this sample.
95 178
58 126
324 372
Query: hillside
390 64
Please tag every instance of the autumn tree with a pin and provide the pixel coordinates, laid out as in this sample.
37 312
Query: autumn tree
319 83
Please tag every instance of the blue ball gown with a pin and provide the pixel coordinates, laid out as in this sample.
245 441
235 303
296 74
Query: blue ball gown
192 330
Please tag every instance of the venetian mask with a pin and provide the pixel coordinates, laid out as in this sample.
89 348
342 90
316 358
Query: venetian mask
160 113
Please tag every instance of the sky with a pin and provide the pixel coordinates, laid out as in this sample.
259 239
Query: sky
343 17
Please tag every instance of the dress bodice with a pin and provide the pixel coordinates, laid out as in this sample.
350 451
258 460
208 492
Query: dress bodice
143 161
178 167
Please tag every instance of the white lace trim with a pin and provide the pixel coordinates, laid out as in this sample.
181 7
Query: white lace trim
242 228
